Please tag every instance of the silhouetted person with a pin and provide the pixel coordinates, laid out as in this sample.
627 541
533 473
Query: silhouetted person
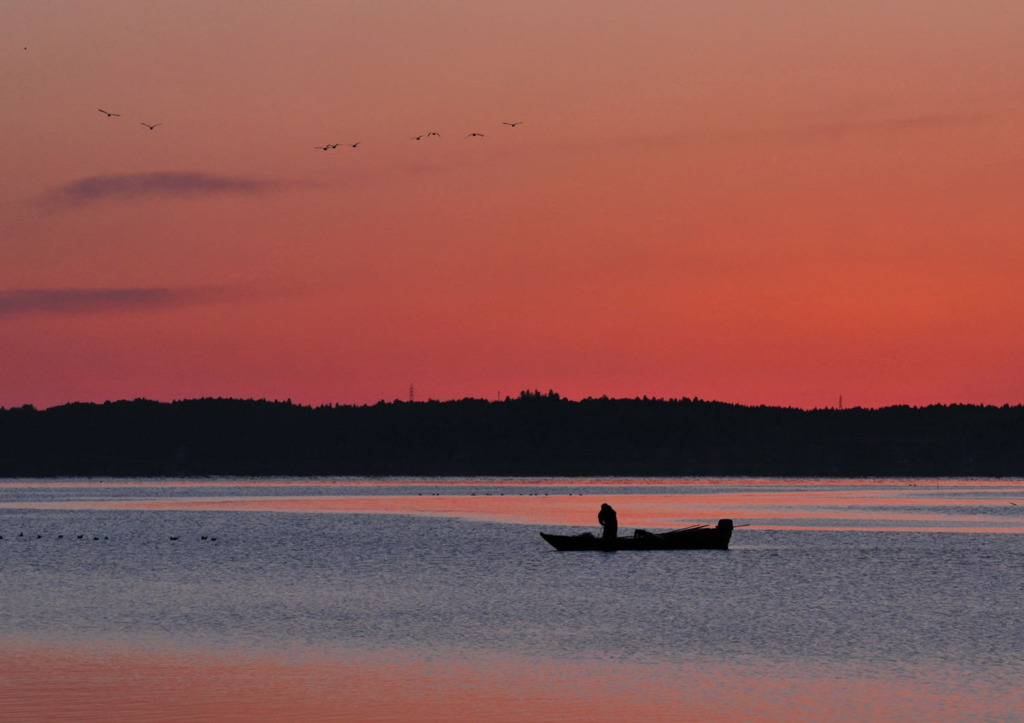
608 521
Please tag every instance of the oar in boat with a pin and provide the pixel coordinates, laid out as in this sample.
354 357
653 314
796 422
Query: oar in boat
698 527
684 529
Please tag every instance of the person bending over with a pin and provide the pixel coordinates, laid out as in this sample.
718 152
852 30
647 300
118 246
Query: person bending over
608 521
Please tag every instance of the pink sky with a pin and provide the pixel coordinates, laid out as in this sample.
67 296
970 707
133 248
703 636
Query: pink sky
762 203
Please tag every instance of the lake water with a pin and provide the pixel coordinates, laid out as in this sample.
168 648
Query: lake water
426 599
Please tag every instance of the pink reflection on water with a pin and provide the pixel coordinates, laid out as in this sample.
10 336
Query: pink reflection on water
102 681
934 505
772 510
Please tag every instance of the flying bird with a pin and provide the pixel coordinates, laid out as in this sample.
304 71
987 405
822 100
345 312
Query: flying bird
418 138
517 123
470 135
326 148
434 133
354 145
109 114
151 127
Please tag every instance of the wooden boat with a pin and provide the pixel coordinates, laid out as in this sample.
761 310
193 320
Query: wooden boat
698 537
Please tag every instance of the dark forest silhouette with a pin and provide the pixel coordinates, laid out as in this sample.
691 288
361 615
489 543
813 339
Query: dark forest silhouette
533 434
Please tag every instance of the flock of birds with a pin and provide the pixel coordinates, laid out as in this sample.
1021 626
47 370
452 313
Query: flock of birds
332 146
108 114
94 537
420 137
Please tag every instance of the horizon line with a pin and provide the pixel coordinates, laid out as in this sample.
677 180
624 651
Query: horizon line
550 395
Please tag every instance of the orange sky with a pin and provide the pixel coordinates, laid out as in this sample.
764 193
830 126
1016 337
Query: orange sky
762 203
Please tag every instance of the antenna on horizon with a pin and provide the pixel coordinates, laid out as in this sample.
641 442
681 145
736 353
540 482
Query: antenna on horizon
840 401
412 393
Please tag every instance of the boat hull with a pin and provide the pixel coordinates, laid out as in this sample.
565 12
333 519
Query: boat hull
703 538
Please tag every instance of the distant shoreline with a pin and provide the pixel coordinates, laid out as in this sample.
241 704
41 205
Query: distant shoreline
532 435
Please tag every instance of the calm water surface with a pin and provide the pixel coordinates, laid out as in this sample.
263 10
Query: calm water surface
437 600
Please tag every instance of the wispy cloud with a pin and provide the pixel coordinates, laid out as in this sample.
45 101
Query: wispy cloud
91 301
158 184
891 125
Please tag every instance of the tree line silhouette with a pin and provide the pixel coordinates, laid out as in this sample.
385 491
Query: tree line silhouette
534 434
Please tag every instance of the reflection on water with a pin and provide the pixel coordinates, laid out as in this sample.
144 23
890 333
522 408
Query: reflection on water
100 683
429 600
909 505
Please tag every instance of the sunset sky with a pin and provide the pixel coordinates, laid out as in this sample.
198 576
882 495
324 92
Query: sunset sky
753 201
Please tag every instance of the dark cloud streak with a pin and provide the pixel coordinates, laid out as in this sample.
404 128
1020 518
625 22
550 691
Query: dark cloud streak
92 301
158 184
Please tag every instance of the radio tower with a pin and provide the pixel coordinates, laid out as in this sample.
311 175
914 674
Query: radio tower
412 394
